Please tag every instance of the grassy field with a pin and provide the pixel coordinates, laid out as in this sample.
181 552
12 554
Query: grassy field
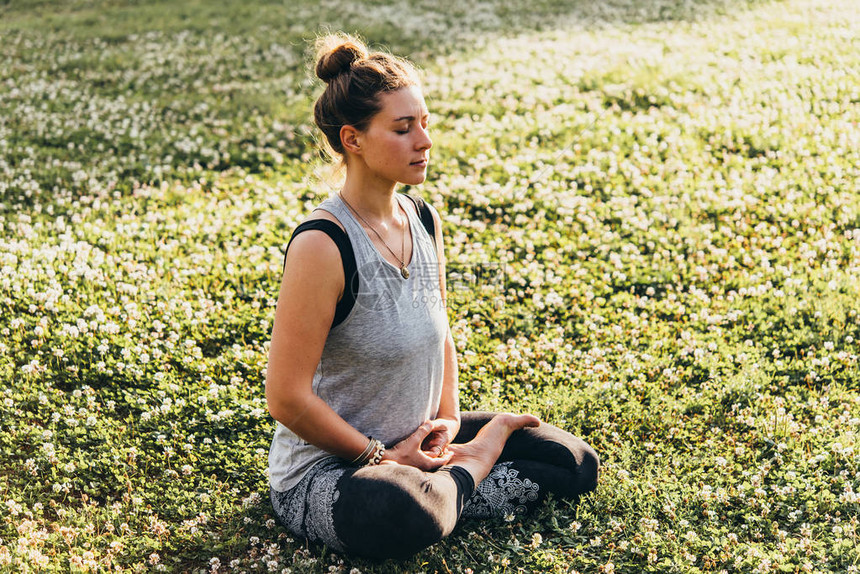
652 213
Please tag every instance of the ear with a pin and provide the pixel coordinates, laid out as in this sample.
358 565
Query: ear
349 138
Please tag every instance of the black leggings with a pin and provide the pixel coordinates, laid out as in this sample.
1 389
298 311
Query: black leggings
394 511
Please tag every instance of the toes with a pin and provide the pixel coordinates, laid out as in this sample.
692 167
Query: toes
522 421
531 421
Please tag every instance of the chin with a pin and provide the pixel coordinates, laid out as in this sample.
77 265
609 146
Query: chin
415 179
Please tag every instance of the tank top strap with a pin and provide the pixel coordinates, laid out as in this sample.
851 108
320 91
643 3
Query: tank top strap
362 247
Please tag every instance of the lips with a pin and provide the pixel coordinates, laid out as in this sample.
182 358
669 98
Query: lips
419 163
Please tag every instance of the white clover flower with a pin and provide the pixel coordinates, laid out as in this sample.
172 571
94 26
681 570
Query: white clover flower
252 499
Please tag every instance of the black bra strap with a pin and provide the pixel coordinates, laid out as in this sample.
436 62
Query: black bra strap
347 257
425 214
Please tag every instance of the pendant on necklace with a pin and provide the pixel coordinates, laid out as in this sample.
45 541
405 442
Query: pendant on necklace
405 272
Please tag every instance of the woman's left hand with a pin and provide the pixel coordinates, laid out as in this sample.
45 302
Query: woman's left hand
441 435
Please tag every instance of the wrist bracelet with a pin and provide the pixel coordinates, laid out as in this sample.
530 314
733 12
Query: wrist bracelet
372 455
362 458
377 454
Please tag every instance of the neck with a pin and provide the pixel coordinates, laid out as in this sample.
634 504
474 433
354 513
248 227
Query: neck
373 197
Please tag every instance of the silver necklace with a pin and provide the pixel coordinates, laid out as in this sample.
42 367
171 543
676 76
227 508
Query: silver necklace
402 259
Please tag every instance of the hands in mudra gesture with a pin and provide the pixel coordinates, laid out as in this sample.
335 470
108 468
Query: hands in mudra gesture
426 448
430 446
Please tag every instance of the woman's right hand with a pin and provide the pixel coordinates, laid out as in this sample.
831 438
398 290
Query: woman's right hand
408 451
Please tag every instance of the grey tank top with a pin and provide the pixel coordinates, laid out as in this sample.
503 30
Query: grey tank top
381 368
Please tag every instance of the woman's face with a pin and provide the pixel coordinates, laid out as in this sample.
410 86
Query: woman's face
395 146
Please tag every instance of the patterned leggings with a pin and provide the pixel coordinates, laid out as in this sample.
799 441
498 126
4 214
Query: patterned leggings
393 511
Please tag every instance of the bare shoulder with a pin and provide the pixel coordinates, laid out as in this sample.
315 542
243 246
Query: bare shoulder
313 253
313 243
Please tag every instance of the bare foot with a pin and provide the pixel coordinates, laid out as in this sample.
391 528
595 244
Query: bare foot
480 454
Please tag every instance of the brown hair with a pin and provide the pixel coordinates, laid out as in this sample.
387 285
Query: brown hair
355 78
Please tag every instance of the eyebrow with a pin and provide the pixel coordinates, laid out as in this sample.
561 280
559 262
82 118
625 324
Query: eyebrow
410 118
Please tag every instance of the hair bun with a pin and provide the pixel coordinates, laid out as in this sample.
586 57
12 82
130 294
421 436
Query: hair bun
336 54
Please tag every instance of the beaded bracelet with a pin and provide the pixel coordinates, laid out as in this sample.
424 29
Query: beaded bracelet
378 453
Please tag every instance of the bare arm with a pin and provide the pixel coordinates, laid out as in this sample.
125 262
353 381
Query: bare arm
312 283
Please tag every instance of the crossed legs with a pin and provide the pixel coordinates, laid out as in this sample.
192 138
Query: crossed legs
394 511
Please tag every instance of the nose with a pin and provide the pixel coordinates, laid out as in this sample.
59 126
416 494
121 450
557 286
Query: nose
424 142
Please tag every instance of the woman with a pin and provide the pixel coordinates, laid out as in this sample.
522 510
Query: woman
371 454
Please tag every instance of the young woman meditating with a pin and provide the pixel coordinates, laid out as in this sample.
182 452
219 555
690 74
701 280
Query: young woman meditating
371 454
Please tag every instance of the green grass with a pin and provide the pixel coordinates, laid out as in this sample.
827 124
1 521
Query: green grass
663 200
